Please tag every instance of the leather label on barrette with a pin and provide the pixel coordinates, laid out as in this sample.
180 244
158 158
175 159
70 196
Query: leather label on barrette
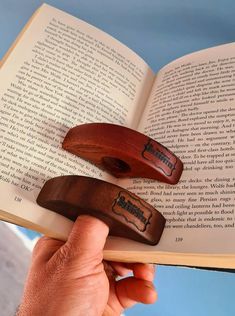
157 154
132 210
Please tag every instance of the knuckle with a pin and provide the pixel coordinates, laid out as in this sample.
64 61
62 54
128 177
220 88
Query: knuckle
57 265
65 252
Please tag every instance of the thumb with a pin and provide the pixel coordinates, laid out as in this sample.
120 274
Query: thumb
88 234
86 241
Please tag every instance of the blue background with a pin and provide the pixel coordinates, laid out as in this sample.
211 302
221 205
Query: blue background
159 31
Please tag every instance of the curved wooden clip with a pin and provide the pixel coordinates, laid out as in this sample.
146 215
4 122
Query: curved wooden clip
125 213
123 152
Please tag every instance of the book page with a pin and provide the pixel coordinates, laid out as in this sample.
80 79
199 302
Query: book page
61 73
192 112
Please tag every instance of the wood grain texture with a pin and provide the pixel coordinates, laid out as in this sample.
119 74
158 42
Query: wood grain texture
126 214
123 152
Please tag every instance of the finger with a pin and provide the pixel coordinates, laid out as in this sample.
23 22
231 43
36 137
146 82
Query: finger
84 247
88 234
45 248
140 270
120 268
144 271
131 290
110 271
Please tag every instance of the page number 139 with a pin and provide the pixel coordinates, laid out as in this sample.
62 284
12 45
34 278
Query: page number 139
179 239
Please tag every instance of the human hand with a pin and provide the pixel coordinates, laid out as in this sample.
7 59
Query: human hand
71 278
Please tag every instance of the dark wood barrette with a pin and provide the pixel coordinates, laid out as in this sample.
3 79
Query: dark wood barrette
123 152
126 214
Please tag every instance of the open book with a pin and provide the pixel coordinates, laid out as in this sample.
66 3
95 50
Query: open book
62 72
